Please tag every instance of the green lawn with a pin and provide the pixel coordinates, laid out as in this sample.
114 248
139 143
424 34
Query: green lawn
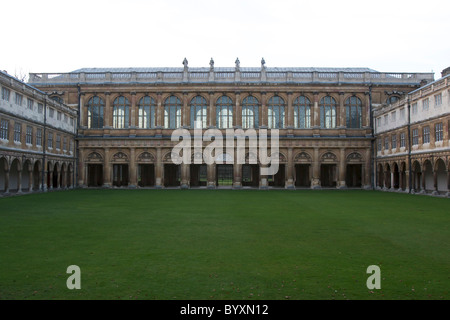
224 244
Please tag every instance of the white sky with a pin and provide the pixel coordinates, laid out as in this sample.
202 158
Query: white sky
385 35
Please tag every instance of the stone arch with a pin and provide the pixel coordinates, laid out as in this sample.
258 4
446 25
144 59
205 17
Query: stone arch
396 175
355 157
380 175
427 175
387 176
416 175
27 177
441 176
94 157
14 179
4 168
56 177
120 156
37 175
328 157
146 157
302 157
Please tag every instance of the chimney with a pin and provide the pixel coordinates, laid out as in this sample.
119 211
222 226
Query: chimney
445 72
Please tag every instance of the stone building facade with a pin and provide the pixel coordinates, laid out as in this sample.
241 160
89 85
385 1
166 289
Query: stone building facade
37 139
413 150
127 117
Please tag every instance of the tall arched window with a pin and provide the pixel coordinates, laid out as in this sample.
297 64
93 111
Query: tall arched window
199 110
224 113
172 113
121 113
250 113
353 108
147 113
275 113
95 108
327 112
302 113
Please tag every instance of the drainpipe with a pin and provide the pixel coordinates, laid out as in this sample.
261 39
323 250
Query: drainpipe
44 139
373 142
409 144
75 171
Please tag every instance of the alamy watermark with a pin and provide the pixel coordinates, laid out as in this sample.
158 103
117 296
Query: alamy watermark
222 151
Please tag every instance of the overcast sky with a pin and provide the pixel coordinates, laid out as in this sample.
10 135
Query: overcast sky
385 35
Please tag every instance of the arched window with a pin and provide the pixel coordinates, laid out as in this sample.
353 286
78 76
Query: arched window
199 111
57 99
224 113
275 113
121 113
147 113
250 113
353 108
302 113
172 113
95 108
392 99
327 112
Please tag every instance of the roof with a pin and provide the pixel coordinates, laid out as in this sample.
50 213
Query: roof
219 69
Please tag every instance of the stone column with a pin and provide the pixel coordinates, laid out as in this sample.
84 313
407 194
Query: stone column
81 169
289 112
367 180
158 169
185 121
237 114
6 181
30 178
341 112
315 181
19 178
211 176
108 111
133 112
290 170
365 117
392 179
133 171
184 183
435 182
342 169
448 183
407 186
316 112
51 172
159 111
263 116
106 170
212 111
263 183
83 111
423 182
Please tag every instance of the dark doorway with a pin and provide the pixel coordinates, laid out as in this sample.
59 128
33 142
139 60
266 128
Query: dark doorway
120 175
146 175
328 175
250 175
198 175
55 177
172 175
353 176
278 179
36 176
224 175
302 175
95 175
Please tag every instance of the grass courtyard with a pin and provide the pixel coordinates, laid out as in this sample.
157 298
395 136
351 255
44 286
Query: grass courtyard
224 244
